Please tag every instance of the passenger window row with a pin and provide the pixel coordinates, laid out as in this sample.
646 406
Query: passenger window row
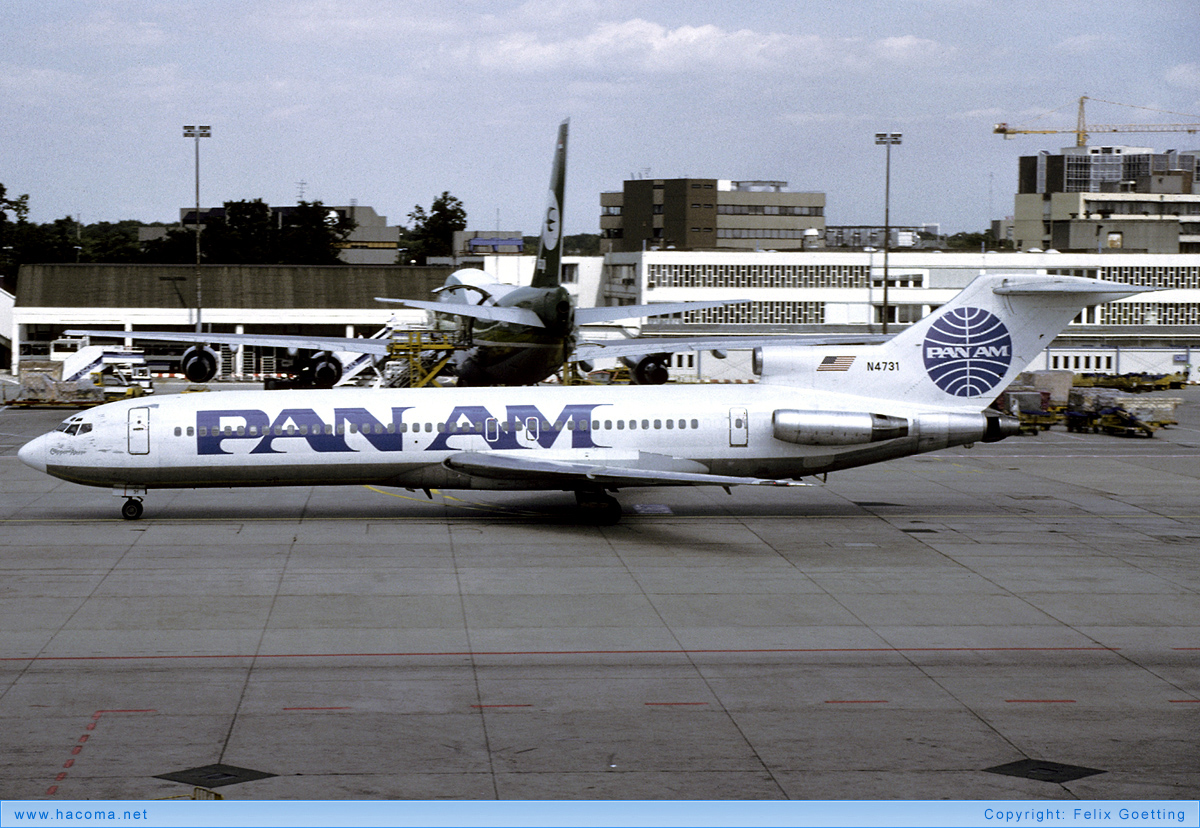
403 428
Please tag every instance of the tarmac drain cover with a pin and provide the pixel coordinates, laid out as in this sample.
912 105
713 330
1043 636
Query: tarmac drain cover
214 776
1042 771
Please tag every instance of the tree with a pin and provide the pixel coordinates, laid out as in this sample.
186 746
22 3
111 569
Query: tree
432 233
976 241
178 246
312 234
249 232
246 236
111 242
9 230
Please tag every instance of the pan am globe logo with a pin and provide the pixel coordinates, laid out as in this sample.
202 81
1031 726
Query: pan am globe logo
967 352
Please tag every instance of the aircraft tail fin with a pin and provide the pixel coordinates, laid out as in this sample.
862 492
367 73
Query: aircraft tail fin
960 356
547 272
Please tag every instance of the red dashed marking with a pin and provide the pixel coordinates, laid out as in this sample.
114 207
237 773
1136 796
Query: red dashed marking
490 706
856 701
1040 701
1185 701
75 751
675 704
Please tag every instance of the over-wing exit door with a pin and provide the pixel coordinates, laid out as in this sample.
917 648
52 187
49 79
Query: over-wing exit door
739 427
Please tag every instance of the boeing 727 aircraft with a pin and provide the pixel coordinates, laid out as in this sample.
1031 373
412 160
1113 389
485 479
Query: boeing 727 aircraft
814 410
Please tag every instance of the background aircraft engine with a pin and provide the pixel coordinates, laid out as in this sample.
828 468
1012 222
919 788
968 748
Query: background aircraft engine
649 370
324 369
836 428
199 363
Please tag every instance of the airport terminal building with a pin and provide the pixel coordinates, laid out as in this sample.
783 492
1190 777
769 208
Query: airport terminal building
791 292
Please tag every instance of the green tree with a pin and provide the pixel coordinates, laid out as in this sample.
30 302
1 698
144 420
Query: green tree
111 242
177 246
249 232
246 236
312 234
976 241
432 233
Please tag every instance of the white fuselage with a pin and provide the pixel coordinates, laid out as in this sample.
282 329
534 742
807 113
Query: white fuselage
401 437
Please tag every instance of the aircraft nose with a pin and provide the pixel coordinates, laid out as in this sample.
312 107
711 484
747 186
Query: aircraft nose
33 453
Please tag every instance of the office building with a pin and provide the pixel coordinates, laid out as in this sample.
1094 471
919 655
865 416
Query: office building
1109 199
710 214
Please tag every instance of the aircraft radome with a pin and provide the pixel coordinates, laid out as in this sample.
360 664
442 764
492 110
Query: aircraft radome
814 410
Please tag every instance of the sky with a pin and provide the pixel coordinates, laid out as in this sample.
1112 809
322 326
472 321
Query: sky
391 102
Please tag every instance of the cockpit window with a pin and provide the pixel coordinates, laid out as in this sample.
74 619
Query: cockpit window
74 425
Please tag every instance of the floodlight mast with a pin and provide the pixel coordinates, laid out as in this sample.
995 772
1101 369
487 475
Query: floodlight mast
887 139
197 132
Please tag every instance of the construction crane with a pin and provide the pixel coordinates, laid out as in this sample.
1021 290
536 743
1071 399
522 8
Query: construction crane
1083 129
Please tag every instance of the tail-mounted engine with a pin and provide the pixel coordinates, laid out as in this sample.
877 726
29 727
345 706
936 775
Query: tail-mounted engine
836 428
958 429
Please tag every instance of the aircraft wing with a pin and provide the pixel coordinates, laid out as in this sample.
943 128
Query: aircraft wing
490 313
503 466
314 343
670 345
586 316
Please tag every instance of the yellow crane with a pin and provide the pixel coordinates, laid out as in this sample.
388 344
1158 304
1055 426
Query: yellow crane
1083 129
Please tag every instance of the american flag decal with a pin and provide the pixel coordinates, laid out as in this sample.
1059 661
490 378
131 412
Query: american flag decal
836 363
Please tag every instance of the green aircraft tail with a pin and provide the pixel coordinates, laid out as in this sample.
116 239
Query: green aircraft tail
548 270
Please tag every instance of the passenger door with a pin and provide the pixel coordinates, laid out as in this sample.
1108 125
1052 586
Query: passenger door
139 431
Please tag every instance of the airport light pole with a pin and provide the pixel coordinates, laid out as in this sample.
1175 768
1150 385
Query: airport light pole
197 132
887 139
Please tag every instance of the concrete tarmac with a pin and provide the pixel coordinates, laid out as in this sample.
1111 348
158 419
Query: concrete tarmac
898 632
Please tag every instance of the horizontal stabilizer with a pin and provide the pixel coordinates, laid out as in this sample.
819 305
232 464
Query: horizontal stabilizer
501 466
489 313
1097 291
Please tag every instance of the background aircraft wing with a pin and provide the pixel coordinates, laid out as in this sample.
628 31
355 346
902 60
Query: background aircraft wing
314 343
670 345
585 316
490 313
504 466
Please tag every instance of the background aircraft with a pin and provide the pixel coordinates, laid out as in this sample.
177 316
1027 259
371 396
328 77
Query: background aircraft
515 335
815 410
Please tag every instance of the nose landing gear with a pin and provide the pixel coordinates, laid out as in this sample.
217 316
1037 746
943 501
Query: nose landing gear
131 509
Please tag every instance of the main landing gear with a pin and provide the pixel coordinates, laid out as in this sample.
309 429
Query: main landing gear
598 507
131 509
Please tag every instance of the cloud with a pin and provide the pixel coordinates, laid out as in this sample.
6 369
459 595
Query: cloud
636 45
322 23
1086 44
909 49
105 30
1184 75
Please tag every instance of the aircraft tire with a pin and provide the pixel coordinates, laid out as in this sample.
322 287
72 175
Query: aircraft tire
131 509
